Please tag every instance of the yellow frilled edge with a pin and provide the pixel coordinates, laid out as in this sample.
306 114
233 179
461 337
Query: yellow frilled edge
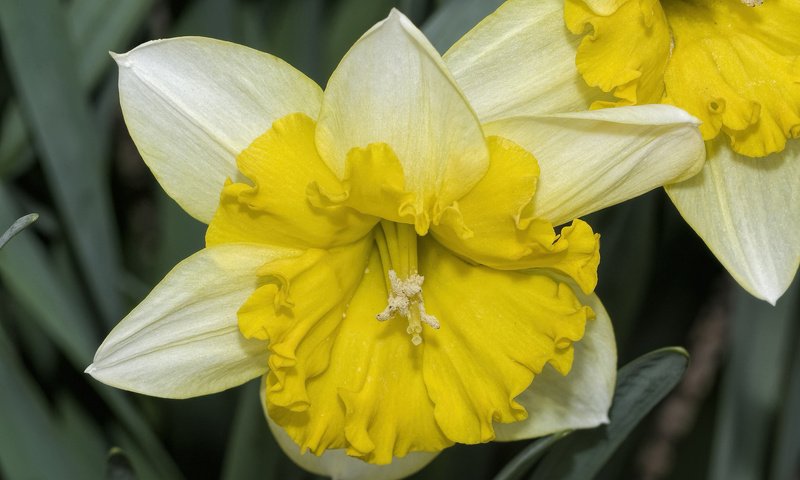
733 66
625 52
339 378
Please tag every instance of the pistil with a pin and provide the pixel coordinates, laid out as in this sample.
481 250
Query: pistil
397 244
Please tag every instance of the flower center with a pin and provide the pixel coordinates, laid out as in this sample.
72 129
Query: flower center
397 244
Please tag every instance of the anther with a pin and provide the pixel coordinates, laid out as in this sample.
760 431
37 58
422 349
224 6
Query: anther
406 300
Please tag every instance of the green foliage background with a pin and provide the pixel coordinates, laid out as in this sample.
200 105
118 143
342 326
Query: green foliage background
107 234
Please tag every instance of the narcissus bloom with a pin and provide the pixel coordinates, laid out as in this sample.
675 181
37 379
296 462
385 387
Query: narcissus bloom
731 63
382 253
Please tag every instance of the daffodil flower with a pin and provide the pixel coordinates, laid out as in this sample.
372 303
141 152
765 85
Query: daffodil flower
731 63
382 254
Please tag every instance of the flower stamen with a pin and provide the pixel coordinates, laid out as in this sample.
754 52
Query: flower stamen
405 299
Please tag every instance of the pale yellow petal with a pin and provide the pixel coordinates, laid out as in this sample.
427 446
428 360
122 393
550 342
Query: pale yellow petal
592 160
580 399
192 104
520 61
183 339
392 87
748 212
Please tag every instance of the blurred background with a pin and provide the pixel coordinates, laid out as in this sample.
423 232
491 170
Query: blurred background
107 234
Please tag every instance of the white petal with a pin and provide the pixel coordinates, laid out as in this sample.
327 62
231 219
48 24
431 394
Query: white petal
183 340
747 210
192 104
339 466
580 399
393 87
592 160
521 61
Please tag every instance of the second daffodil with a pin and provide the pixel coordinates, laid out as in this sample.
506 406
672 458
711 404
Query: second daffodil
734 64
382 253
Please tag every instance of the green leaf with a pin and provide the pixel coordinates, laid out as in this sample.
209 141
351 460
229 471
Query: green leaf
80 434
252 451
16 154
640 386
18 226
44 74
208 18
96 26
137 455
786 453
296 37
415 10
118 466
461 461
752 385
99 26
455 18
64 319
26 273
523 461
29 440
350 20
180 236
628 245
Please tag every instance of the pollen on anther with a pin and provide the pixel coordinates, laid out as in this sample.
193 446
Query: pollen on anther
405 300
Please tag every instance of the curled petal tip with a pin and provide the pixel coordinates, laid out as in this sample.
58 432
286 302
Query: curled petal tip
772 298
766 291
396 14
121 59
399 18
90 369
